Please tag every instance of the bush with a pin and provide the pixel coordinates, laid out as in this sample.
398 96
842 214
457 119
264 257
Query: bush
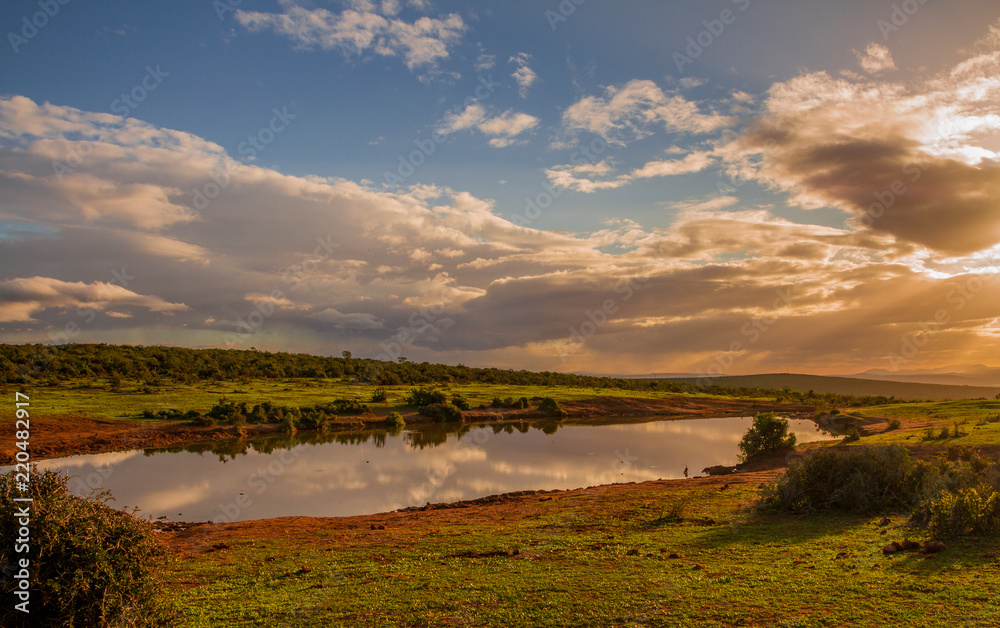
349 406
855 479
420 397
203 421
964 512
768 434
378 395
90 565
853 436
459 402
442 412
395 419
258 414
895 424
549 405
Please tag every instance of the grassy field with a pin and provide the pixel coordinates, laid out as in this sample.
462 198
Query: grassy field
594 560
100 401
976 422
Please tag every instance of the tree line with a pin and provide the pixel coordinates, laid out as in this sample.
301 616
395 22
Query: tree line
39 363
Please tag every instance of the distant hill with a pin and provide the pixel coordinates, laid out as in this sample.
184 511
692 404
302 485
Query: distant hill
850 386
962 375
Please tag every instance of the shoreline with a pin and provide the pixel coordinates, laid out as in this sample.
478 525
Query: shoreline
73 435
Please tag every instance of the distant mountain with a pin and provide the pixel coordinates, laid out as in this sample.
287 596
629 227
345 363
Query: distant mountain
959 375
904 390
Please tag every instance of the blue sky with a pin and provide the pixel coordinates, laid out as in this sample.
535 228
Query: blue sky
693 181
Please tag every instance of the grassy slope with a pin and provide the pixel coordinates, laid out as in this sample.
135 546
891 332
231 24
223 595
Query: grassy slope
573 570
853 386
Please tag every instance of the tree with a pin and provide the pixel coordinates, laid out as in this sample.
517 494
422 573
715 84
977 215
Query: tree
768 434
346 355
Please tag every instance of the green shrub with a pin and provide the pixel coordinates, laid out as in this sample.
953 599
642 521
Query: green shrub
203 421
768 434
966 512
90 565
257 415
378 395
549 405
855 479
395 419
442 412
853 436
459 402
421 397
895 424
348 406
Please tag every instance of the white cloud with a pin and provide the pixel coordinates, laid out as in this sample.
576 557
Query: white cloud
368 26
22 297
357 320
846 143
567 176
354 267
485 62
502 128
699 205
875 59
636 110
524 76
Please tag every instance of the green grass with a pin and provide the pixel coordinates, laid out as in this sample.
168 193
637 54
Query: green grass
972 417
946 410
101 402
574 570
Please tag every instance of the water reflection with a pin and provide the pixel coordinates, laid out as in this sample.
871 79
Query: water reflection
346 473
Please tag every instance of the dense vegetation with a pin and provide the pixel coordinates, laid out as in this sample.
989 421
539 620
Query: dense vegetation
38 363
90 565
956 494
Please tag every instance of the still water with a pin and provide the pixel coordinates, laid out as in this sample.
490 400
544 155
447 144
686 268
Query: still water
376 471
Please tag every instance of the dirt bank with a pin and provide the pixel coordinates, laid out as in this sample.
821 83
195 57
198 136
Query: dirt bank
68 435
195 539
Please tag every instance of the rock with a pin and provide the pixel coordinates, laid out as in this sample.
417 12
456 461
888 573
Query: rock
674 555
632 552
892 548
381 526
910 545
933 547
719 469
545 499
884 521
